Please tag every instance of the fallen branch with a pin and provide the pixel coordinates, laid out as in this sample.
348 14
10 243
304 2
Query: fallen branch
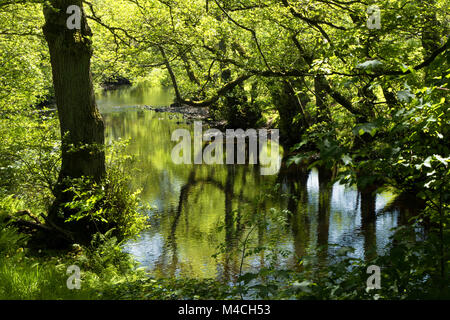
28 213
37 225
25 223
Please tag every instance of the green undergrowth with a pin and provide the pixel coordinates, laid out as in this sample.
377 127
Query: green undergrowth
106 273
408 271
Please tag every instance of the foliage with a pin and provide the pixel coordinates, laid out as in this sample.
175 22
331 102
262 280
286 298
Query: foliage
106 273
371 102
409 271
110 204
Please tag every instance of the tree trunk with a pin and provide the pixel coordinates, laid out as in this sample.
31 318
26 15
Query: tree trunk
172 75
82 127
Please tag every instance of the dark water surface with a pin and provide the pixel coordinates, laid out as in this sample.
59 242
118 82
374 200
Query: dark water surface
199 210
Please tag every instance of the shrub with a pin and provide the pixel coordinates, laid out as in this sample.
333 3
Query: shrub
110 204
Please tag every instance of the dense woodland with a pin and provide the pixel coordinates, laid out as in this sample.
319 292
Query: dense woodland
365 105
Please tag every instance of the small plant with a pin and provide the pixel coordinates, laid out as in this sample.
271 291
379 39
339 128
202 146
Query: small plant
110 204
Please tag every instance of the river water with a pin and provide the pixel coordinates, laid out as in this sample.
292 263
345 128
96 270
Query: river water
203 215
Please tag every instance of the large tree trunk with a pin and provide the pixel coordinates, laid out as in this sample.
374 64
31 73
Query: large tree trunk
80 121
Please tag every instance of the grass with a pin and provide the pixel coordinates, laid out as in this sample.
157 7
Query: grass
106 273
24 279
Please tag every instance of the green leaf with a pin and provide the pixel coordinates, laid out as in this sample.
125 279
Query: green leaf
346 159
371 65
405 96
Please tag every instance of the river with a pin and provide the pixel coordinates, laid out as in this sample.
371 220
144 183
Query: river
202 210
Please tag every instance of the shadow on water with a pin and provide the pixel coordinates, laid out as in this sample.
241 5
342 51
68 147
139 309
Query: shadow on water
200 210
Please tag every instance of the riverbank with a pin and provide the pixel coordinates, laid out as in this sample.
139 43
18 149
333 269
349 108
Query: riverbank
190 114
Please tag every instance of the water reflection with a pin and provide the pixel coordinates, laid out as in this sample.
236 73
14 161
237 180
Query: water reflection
134 96
201 210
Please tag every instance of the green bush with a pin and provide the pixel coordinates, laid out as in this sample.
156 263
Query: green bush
110 204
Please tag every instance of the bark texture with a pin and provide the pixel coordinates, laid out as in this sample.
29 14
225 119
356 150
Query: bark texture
82 127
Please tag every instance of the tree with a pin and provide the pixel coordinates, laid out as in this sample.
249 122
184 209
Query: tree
82 127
